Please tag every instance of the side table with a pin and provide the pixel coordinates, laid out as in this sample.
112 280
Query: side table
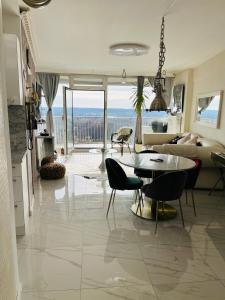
44 147
219 161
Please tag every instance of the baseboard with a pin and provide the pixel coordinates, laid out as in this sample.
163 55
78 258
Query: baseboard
19 291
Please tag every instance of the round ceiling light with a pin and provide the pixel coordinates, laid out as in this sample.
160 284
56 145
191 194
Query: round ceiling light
129 49
37 3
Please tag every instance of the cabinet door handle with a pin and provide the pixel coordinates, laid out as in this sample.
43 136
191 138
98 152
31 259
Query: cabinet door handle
15 205
13 167
14 180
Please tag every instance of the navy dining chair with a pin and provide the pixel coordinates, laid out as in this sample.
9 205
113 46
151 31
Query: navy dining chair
167 187
192 177
118 180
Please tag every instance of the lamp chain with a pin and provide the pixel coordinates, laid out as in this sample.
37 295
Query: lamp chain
162 48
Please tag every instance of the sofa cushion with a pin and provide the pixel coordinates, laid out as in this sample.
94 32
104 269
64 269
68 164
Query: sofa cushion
179 150
210 143
150 139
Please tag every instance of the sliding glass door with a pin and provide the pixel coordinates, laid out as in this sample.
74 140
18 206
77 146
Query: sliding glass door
89 124
84 119
68 120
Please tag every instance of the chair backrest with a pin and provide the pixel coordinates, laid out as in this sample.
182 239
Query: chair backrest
193 174
147 151
124 133
116 175
166 187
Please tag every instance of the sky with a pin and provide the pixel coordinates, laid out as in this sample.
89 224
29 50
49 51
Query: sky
215 103
118 97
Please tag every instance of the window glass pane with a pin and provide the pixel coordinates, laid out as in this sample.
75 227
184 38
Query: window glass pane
121 111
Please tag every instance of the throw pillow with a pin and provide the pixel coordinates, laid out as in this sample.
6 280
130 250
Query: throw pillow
184 139
175 140
192 141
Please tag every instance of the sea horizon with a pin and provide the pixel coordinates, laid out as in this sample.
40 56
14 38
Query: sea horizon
98 112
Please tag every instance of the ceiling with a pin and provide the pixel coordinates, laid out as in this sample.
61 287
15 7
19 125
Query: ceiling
74 36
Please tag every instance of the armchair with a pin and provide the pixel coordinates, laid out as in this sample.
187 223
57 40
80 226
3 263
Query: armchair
122 137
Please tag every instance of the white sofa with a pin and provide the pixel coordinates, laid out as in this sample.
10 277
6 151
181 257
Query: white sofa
209 173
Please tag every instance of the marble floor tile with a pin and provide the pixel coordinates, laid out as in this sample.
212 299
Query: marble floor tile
193 235
206 290
49 270
171 265
72 251
117 293
106 271
215 259
54 295
49 236
109 231
118 250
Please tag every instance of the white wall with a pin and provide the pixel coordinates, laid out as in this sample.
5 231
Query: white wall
8 255
11 24
209 77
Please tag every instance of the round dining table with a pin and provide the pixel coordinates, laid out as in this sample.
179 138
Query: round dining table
156 162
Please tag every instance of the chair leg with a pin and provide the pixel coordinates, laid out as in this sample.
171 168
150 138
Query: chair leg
136 195
109 203
142 200
121 149
181 213
113 199
139 203
156 216
138 206
128 147
186 194
193 201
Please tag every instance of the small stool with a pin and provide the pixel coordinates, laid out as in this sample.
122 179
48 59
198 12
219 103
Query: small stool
52 170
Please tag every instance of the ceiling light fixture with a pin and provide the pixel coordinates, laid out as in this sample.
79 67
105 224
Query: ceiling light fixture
124 77
158 103
37 3
128 49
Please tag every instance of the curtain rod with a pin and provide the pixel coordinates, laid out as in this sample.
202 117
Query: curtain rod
170 75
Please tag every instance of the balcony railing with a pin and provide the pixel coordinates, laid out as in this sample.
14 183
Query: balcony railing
90 129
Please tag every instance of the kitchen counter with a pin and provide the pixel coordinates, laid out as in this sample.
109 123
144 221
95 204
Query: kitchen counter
17 156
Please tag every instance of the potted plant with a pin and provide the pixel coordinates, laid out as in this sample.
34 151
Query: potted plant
139 97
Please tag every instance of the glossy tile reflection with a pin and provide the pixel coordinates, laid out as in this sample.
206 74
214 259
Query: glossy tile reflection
72 251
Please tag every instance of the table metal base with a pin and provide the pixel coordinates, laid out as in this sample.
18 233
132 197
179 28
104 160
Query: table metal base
147 211
104 152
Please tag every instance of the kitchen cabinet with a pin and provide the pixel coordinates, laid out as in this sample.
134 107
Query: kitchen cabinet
21 195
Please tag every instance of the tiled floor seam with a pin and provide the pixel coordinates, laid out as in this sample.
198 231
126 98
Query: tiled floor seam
154 289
